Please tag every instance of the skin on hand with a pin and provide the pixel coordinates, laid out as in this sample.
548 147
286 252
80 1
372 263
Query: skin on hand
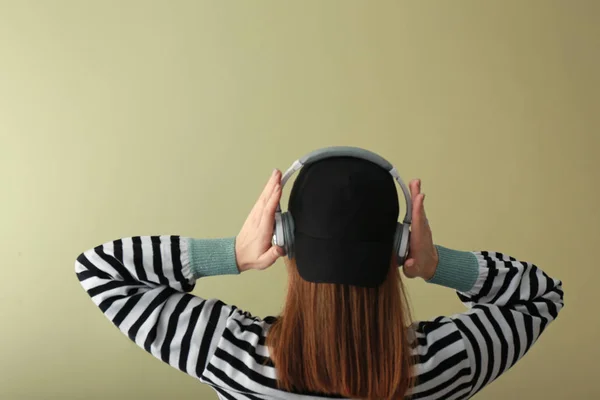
422 259
254 250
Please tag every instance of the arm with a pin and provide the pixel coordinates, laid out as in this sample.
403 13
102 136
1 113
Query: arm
510 304
142 285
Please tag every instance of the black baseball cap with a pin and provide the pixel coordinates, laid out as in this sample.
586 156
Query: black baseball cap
345 213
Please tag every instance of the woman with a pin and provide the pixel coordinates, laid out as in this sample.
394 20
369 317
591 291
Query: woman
345 330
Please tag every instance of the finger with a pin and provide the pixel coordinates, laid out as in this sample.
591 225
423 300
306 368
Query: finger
419 216
269 257
268 215
257 210
266 193
415 188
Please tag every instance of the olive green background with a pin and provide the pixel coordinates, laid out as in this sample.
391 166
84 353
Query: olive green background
121 118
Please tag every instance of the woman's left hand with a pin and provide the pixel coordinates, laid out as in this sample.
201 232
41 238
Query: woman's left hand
253 248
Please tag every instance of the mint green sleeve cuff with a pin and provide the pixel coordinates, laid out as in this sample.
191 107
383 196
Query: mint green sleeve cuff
458 270
209 257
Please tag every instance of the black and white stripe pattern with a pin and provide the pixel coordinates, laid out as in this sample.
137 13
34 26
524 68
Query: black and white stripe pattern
142 285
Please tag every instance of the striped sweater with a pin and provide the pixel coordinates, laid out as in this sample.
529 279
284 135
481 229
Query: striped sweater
143 284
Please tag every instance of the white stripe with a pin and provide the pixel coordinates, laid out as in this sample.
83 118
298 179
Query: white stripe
438 334
433 362
525 282
182 326
466 320
513 286
458 394
197 337
247 359
102 265
167 262
520 328
92 282
147 259
451 384
506 332
495 351
541 282
162 320
138 309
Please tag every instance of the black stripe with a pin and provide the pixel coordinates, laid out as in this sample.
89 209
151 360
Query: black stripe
511 323
96 290
510 274
151 337
528 331
488 283
516 295
249 316
115 264
254 328
534 311
440 344
476 350
262 341
243 368
86 274
500 335
247 347
533 282
466 394
443 366
489 343
172 327
543 319
215 386
463 298
552 309
118 250
157 301
106 303
550 284
209 331
558 290
418 341
459 374
177 266
224 393
560 294
230 382
157 260
138 258
127 307
83 260
187 338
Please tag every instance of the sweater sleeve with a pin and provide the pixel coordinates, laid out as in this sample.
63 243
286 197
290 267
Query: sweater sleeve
510 304
142 285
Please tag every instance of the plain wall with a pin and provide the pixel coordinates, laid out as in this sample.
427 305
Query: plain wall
122 118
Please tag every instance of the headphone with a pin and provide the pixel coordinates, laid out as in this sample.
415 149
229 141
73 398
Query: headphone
283 234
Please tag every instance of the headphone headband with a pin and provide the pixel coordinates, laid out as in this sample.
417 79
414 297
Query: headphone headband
345 151
356 152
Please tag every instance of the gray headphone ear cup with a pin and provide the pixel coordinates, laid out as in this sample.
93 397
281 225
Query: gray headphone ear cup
401 242
288 231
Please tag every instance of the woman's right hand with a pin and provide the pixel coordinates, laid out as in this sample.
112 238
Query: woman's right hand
422 259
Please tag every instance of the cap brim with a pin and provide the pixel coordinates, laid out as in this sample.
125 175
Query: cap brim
351 262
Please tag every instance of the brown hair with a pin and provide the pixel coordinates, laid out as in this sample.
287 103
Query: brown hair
344 340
